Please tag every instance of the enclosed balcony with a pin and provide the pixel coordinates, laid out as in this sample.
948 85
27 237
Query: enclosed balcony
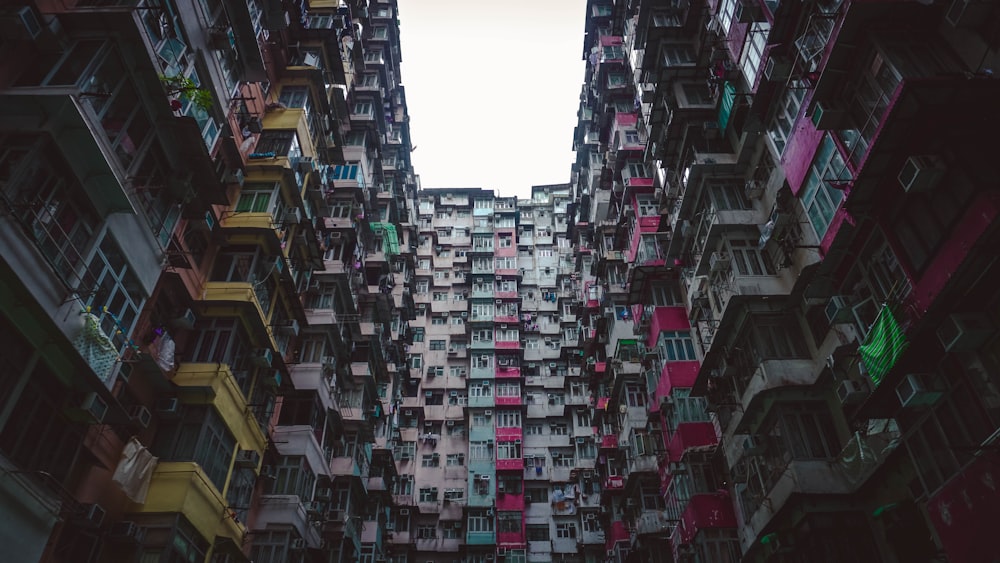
183 487
214 384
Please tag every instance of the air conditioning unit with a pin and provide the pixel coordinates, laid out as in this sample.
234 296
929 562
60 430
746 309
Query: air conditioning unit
21 23
273 380
487 412
313 508
968 13
408 412
140 415
581 440
404 511
588 474
186 320
918 390
168 408
720 261
754 445
851 392
293 216
91 410
290 326
828 116
837 310
262 357
449 423
777 68
965 331
306 164
92 515
248 459
297 544
205 224
126 531
754 189
921 173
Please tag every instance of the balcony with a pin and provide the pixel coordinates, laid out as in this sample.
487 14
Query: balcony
215 384
481 538
182 487
243 294
284 510
301 440
768 376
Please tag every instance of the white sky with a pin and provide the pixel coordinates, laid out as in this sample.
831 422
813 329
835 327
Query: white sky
492 89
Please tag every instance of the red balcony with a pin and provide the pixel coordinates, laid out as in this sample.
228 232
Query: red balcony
507 401
506 345
617 533
507 501
609 442
691 435
509 434
711 510
508 372
516 464
614 483
507 295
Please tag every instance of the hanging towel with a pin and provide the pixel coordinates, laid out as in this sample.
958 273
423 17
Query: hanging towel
134 471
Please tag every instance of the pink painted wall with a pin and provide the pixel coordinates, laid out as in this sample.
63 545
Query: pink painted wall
507 501
508 434
713 510
507 401
977 218
666 318
690 435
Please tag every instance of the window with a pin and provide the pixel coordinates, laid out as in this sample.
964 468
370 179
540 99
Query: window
418 334
748 259
508 418
587 449
533 429
536 494
678 55
404 450
753 50
200 436
788 110
508 450
454 460
293 477
416 361
509 522
726 13
428 494
403 485
696 94
480 522
506 241
685 408
635 395
728 195
677 346
438 345
430 460
538 532
117 296
612 53
439 320
820 196
480 451
647 205
281 143
426 531
566 530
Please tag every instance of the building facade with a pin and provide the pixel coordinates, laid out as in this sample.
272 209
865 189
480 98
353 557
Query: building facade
207 278
790 321
758 323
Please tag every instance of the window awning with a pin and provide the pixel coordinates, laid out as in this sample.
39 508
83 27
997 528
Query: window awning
885 343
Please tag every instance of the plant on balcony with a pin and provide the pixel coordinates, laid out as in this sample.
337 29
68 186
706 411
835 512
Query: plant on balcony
184 87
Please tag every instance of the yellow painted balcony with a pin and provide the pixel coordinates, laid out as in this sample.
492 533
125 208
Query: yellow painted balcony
292 119
215 384
247 227
182 486
221 296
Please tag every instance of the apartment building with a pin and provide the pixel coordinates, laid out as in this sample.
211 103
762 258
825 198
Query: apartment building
207 266
789 322
759 323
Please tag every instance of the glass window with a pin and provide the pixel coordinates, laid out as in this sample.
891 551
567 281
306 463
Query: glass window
820 194
753 50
